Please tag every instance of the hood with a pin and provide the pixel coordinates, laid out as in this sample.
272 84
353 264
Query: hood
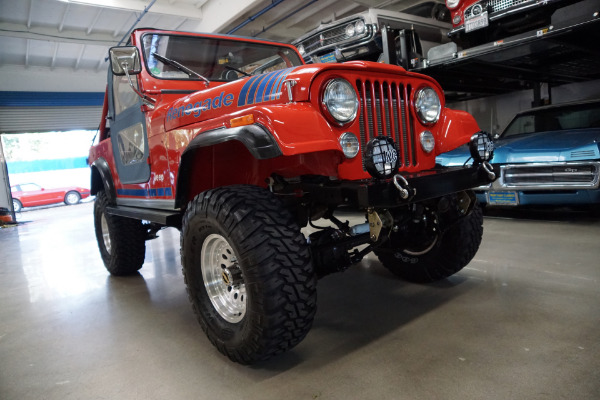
575 145
264 89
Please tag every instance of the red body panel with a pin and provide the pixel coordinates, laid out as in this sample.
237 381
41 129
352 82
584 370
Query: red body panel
306 137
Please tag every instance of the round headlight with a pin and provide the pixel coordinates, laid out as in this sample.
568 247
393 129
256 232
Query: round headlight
301 50
340 100
350 145
481 147
350 30
456 20
360 27
381 157
428 105
452 4
427 141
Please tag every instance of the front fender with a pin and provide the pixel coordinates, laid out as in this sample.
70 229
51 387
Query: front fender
101 179
456 129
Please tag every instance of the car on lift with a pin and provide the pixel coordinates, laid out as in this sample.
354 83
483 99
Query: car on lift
32 194
381 35
481 21
546 156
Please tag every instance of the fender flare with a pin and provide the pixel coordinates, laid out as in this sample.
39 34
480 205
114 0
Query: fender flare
256 138
102 179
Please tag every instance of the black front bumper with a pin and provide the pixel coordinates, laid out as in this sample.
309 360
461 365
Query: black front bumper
384 193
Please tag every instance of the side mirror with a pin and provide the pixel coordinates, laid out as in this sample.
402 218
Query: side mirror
125 60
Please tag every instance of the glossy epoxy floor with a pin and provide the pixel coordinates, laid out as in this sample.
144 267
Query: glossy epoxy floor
522 321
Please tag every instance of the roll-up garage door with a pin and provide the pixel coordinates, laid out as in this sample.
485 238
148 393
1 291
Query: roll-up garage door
22 112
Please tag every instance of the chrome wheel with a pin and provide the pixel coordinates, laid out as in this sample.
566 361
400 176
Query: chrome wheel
105 233
72 198
223 278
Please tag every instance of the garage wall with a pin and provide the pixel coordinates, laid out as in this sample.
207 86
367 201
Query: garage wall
494 113
49 111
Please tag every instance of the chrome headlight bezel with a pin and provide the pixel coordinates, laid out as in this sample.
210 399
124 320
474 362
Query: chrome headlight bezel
340 101
428 105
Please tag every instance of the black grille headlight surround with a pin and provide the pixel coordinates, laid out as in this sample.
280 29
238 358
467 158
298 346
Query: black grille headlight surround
340 101
428 105
481 147
381 157
350 145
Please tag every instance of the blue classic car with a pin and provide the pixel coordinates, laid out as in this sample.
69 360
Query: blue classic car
546 156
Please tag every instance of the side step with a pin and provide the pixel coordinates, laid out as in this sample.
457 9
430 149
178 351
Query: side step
163 217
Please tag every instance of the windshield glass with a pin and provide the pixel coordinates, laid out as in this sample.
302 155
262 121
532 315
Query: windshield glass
213 58
578 116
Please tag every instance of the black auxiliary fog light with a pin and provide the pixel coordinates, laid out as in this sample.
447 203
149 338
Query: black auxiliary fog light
481 147
381 157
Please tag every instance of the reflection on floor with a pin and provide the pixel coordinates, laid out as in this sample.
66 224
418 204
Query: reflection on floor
521 321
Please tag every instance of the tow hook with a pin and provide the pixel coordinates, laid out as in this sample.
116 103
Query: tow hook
489 170
403 187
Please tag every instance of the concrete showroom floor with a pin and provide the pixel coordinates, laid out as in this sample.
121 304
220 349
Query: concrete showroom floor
521 321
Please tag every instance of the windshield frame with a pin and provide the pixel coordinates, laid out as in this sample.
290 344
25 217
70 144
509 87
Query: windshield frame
288 53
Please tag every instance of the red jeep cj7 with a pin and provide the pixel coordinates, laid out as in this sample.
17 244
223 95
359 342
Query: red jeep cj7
238 144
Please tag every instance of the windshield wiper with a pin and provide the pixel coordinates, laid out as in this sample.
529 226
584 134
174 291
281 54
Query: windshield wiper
180 67
237 70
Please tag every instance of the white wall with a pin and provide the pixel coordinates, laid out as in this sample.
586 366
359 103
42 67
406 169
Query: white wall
36 79
494 113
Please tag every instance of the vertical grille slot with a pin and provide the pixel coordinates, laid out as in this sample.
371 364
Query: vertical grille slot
384 113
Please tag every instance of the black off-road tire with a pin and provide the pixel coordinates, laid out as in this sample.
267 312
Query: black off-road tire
274 295
450 253
122 241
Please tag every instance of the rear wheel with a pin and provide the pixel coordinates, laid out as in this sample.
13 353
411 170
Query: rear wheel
17 205
432 254
122 241
248 272
72 197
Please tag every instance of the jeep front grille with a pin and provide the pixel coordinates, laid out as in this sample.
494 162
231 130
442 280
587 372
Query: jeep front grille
584 175
384 112
496 5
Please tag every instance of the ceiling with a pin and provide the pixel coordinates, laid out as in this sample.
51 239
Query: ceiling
61 45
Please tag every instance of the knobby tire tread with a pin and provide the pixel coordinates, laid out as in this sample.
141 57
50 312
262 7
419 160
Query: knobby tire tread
128 244
277 260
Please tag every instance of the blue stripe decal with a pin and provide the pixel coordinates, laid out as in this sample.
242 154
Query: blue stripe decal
252 92
244 91
158 192
261 89
276 93
267 95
